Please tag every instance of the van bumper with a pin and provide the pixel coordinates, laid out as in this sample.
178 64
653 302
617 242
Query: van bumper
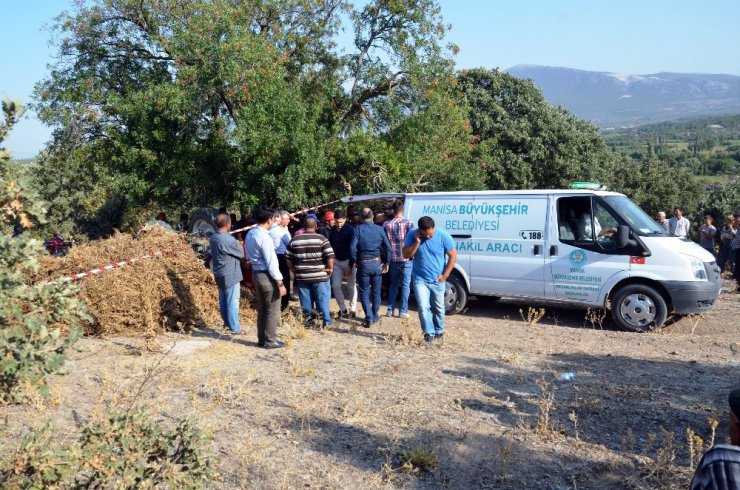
695 297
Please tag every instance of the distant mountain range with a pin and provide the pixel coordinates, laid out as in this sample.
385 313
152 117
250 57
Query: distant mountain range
617 99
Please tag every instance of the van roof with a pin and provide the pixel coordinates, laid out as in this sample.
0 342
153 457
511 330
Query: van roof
369 197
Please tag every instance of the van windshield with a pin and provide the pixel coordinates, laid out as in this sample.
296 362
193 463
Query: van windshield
636 217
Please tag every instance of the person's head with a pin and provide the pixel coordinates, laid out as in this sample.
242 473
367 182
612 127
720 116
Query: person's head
310 224
426 227
736 218
379 218
734 400
340 218
162 216
397 208
233 217
661 216
184 217
730 219
264 215
329 218
366 214
708 220
283 218
354 218
678 212
223 222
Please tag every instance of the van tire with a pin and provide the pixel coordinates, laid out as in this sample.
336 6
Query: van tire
456 295
638 308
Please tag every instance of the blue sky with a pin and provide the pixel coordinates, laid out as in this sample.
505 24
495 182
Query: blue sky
626 36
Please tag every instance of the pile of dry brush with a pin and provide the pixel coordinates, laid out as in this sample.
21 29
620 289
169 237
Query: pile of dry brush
171 292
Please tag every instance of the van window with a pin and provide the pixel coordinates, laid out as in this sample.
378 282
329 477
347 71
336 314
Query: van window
586 223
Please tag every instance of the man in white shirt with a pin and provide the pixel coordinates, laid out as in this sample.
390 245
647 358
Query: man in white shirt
663 222
281 236
678 225
268 281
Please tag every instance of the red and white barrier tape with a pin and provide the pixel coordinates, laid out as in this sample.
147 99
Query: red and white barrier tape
306 210
115 265
124 263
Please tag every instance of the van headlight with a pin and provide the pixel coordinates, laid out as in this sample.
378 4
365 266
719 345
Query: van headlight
697 267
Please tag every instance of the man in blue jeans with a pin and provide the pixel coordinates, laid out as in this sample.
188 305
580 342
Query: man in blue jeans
400 268
369 250
429 248
311 258
226 256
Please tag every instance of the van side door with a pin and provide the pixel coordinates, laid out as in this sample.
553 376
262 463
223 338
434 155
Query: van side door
583 253
507 246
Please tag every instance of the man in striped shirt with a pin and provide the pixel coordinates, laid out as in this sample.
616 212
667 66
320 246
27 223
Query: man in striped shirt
311 259
719 469
400 268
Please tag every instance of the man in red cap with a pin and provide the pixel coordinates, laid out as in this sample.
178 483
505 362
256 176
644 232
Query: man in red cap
719 469
325 227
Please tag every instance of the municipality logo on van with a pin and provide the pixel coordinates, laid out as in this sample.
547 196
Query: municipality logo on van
577 258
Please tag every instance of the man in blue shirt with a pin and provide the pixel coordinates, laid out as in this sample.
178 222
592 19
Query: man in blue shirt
368 251
429 248
226 256
268 280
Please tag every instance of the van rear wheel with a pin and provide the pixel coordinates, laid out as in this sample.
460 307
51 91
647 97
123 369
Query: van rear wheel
639 308
456 296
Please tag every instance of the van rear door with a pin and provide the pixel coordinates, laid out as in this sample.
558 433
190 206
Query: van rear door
507 245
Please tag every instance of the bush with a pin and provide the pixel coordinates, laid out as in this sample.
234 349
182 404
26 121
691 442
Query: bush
31 316
117 450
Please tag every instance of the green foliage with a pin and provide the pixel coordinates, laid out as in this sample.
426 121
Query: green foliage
719 202
521 141
31 316
126 450
653 185
183 104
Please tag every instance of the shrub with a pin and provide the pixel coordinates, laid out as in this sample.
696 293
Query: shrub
117 450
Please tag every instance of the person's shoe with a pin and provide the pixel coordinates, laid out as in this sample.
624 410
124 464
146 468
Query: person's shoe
344 314
274 345
260 344
389 312
240 332
367 324
428 338
353 314
404 315
439 337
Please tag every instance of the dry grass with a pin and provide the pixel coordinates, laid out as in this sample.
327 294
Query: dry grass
533 315
171 292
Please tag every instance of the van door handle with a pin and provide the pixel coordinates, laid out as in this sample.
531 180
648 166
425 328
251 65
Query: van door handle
538 249
553 250
461 236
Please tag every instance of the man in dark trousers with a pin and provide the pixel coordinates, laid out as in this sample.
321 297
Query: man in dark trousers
226 256
368 251
268 281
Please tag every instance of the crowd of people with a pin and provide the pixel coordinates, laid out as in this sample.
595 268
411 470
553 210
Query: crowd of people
724 243
313 258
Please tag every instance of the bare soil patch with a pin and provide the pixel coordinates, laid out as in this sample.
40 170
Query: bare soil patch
346 406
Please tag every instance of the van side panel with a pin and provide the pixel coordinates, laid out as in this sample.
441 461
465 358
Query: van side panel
508 245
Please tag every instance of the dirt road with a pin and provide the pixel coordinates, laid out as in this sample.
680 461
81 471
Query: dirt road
347 406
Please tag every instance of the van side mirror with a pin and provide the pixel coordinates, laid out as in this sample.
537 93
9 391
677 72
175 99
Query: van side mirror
623 236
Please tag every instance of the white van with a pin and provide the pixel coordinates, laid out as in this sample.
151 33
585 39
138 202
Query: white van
584 247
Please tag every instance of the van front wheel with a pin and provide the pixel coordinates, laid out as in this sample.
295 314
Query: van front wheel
639 308
456 296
